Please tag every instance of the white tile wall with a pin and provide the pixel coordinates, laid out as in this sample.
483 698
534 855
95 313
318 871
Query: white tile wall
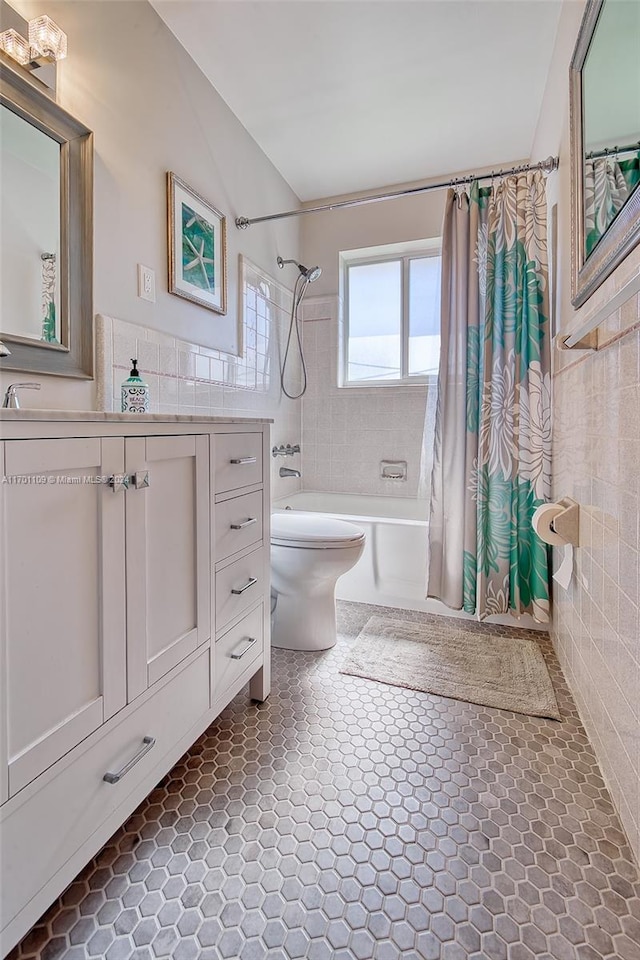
190 379
596 456
347 431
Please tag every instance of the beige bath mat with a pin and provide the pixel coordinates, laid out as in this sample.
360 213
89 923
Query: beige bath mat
452 661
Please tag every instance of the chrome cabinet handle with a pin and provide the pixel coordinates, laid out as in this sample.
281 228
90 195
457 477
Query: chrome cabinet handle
238 656
250 583
246 523
244 460
148 743
119 482
140 479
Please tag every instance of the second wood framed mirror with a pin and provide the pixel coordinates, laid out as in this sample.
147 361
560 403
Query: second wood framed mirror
605 142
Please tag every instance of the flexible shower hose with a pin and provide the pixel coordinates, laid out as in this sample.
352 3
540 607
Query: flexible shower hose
299 291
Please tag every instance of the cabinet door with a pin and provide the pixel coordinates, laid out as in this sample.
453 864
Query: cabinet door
63 599
168 561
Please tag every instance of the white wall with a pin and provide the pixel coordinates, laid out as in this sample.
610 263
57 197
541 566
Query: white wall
152 110
596 460
324 235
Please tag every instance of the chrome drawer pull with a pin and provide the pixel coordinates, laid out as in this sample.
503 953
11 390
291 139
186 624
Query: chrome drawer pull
115 777
244 460
247 523
239 656
250 583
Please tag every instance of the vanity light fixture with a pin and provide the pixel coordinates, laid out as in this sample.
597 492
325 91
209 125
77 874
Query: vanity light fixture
46 45
15 46
46 39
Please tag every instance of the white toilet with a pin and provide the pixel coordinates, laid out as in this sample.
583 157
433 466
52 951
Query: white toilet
308 554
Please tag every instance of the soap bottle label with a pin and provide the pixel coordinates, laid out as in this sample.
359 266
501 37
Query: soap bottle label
134 392
135 399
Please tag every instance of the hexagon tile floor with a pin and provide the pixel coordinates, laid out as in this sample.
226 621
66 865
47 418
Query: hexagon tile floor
346 820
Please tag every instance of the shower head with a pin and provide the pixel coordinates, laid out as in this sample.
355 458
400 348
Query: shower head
309 273
312 273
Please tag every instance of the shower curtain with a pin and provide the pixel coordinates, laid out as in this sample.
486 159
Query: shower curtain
492 447
607 184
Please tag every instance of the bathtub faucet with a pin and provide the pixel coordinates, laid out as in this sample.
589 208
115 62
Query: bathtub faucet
286 472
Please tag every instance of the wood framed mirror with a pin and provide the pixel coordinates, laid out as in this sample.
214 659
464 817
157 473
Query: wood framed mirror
46 233
605 142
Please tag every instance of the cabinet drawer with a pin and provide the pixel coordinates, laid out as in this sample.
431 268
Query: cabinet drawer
238 586
39 836
238 524
237 650
238 460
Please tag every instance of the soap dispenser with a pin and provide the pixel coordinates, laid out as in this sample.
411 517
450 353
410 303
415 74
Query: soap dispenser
135 392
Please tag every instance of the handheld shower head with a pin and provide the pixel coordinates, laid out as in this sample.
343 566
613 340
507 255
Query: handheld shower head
313 273
309 273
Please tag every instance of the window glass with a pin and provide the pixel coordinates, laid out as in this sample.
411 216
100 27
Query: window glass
424 316
375 321
392 314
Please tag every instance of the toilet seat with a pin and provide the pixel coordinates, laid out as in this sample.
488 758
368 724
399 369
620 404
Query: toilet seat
313 531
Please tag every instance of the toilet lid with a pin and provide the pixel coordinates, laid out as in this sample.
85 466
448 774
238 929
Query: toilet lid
313 530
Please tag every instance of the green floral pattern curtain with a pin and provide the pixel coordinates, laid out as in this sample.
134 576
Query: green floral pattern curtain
607 185
494 390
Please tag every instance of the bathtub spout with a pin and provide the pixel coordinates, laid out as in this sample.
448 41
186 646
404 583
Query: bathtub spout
286 472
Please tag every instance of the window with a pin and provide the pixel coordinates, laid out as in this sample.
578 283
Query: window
392 315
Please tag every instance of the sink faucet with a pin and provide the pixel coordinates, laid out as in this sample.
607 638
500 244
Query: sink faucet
286 472
11 400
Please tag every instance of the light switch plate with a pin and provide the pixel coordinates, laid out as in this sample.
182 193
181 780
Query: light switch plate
146 283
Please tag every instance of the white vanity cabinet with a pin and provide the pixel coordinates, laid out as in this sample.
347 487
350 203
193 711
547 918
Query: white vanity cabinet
241 534
167 554
63 599
134 605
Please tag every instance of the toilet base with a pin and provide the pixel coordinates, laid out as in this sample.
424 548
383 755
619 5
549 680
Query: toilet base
304 584
305 622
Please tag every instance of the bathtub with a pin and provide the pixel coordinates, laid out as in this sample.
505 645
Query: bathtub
392 570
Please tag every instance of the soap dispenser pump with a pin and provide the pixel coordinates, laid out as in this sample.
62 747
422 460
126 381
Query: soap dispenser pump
135 392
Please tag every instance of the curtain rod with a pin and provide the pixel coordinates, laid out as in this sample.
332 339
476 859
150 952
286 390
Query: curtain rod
548 165
612 151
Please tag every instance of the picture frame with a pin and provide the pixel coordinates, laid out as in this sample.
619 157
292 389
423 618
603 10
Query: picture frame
197 246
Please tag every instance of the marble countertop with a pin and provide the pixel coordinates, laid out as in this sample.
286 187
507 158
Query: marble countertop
99 416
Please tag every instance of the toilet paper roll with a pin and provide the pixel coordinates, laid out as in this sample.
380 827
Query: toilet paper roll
541 523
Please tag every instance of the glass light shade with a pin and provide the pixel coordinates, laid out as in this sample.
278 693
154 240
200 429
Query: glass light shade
47 39
15 46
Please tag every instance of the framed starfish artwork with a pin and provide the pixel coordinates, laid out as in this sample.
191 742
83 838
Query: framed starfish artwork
197 247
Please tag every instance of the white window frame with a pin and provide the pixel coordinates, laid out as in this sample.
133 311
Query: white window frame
405 253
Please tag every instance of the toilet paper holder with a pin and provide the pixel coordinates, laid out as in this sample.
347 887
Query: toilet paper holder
567 523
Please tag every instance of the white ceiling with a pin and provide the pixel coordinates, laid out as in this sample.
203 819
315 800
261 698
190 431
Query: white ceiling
348 95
